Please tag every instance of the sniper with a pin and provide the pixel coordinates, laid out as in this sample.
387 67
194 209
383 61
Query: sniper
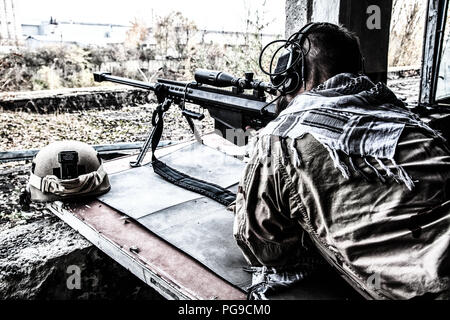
346 174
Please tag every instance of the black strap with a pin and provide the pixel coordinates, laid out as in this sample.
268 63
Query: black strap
210 190
185 181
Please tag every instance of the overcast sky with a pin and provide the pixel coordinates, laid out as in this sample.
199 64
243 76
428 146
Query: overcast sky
207 14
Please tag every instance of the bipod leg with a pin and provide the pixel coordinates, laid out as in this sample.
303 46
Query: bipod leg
155 134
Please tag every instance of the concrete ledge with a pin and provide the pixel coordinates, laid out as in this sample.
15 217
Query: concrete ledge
66 100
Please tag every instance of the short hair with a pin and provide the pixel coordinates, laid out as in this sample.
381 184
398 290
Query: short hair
333 49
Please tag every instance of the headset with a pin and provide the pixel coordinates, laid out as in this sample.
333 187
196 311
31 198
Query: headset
286 77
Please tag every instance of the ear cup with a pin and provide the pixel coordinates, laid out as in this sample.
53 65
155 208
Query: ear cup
292 83
286 77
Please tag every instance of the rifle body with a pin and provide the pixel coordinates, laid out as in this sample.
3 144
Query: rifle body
231 109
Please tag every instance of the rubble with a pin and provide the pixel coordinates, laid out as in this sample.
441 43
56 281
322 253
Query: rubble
36 260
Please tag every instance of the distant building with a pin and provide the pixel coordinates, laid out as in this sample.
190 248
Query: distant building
230 37
10 28
83 33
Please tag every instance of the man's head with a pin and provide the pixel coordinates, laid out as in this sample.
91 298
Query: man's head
331 49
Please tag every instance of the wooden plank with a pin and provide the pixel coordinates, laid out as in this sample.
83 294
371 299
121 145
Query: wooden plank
172 273
169 271
116 252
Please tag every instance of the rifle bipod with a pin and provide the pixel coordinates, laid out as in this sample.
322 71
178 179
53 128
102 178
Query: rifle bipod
155 134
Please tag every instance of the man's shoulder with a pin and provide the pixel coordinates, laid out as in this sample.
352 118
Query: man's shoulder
305 147
417 144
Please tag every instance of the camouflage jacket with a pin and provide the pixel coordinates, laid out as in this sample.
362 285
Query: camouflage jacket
363 226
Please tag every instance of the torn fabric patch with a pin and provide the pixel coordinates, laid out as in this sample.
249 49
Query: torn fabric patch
351 115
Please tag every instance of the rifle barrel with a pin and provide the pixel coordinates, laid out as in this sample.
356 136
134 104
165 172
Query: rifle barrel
104 76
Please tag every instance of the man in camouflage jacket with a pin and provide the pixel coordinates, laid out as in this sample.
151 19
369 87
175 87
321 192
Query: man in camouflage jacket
348 171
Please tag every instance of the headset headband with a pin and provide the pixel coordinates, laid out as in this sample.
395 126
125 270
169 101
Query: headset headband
286 78
303 32
301 36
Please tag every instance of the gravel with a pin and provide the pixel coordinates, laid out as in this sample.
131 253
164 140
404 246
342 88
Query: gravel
23 130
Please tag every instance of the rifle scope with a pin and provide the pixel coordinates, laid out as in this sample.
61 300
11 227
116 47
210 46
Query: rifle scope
221 79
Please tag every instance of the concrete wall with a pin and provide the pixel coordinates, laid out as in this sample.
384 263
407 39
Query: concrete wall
298 13
66 100
326 10
406 27
354 15
407 31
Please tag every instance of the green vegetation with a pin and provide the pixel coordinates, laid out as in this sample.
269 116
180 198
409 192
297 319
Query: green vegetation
174 55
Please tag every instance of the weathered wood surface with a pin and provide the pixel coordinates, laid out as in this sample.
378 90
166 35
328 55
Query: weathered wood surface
172 273
74 99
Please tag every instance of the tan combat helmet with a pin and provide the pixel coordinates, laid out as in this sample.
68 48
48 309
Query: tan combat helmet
66 170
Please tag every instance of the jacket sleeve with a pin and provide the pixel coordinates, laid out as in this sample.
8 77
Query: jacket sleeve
263 227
